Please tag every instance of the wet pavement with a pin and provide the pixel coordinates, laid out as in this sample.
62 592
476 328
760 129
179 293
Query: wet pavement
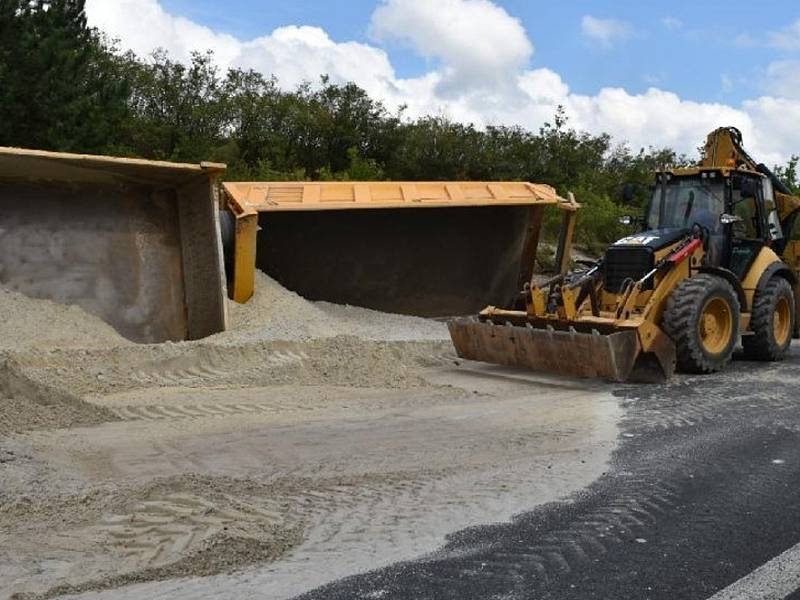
702 490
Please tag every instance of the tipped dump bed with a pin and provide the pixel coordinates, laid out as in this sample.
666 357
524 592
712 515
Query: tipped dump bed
134 242
302 196
368 244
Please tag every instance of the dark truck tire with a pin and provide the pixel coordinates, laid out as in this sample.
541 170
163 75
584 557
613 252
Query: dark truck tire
772 322
702 319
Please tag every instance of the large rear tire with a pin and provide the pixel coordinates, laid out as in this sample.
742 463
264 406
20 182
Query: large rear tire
702 319
772 322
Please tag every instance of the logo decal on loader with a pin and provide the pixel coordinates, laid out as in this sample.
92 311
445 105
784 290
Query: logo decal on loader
636 240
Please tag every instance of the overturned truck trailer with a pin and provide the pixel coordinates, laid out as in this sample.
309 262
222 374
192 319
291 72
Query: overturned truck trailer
423 248
134 242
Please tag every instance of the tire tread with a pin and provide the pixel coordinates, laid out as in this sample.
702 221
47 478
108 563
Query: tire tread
680 322
762 345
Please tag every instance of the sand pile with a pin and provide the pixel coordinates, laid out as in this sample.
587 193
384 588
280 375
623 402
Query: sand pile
278 338
28 403
275 313
30 323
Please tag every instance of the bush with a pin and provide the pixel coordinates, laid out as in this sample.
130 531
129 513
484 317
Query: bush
598 223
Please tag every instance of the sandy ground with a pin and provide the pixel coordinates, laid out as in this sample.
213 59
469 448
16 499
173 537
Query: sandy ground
311 442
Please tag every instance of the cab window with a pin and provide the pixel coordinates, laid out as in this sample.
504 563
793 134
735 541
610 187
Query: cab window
745 208
684 201
774 228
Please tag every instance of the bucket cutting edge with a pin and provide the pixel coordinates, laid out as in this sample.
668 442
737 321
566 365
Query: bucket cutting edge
616 356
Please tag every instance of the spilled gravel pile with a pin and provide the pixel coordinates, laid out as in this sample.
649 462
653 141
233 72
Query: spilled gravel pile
275 313
31 323
282 357
60 354
27 403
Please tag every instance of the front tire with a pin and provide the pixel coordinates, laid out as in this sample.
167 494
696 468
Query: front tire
772 322
702 319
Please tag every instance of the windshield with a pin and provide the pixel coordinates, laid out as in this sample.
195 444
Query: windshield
687 201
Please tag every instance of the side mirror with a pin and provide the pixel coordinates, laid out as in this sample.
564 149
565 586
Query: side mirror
727 219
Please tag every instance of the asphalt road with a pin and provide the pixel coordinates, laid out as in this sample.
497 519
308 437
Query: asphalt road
703 490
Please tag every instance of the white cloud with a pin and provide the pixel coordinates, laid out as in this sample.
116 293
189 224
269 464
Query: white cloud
480 76
293 53
783 79
478 43
143 26
726 83
605 31
661 116
745 40
672 23
775 137
787 38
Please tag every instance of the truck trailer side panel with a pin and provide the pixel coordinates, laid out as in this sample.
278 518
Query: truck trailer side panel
133 242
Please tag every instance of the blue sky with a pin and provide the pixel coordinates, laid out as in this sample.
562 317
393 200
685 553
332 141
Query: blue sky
651 73
688 47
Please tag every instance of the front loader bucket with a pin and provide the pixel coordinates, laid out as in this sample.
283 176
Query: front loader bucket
616 356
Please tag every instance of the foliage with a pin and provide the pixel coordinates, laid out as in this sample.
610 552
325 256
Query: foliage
788 174
54 93
598 223
63 86
177 111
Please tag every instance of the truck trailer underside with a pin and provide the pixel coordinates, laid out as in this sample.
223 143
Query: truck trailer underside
422 248
133 242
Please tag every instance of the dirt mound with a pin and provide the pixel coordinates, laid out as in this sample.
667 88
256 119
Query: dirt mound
30 404
57 355
342 360
275 313
28 322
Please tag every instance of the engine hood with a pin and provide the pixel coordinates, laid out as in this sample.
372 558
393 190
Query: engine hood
654 239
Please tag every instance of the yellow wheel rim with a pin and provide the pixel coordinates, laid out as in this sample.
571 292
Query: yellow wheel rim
716 326
782 321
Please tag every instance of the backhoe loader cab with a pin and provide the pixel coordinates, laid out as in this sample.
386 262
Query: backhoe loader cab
704 273
733 212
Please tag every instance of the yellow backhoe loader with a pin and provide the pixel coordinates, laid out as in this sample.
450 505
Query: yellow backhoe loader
716 261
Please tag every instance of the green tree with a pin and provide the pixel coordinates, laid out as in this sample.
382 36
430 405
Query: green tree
64 87
55 92
435 148
178 111
788 174
326 132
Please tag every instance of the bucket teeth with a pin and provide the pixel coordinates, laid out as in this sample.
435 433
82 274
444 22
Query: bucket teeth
569 352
